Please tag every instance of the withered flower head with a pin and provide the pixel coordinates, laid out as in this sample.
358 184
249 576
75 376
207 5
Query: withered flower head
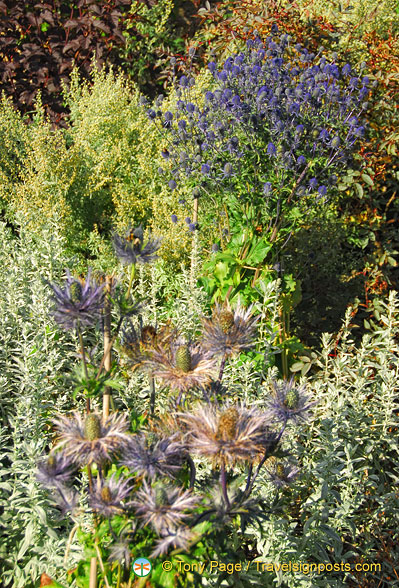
87 439
227 434
163 507
162 457
228 332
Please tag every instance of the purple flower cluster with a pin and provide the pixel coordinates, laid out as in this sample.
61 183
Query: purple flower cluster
277 111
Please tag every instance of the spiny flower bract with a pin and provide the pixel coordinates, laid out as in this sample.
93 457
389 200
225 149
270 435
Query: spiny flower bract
163 507
163 457
107 498
182 366
177 538
56 469
289 402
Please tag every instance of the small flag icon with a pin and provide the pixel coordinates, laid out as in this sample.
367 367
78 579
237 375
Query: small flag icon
142 567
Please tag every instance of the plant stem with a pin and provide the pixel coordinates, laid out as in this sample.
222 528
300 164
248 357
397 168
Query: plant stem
69 543
106 351
82 351
248 478
101 564
195 211
221 370
132 274
107 346
192 471
223 483
93 573
152 395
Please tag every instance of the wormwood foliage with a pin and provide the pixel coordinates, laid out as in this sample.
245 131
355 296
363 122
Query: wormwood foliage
33 358
344 507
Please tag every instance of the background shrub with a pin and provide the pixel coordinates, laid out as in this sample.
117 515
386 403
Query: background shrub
41 42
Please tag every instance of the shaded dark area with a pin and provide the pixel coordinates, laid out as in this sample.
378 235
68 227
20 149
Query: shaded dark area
331 274
41 42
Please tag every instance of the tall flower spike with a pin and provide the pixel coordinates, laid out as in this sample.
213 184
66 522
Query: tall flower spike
89 439
77 303
162 458
228 434
130 248
228 332
163 507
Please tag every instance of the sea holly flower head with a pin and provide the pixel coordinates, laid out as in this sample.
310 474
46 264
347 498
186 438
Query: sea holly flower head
228 332
108 496
227 434
130 248
289 402
176 537
280 473
89 439
151 459
78 303
163 506
54 470
181 365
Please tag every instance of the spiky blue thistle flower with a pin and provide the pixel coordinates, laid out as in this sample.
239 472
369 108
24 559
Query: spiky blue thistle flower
130 248
89 439
163 506
280 473
80 302
66 498
54 470
228 332
108 496
178 537
164 457
228 434
289 402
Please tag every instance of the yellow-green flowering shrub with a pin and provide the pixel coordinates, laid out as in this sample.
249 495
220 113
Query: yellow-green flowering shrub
98 174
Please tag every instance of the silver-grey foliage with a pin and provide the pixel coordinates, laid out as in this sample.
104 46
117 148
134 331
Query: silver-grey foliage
33 356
